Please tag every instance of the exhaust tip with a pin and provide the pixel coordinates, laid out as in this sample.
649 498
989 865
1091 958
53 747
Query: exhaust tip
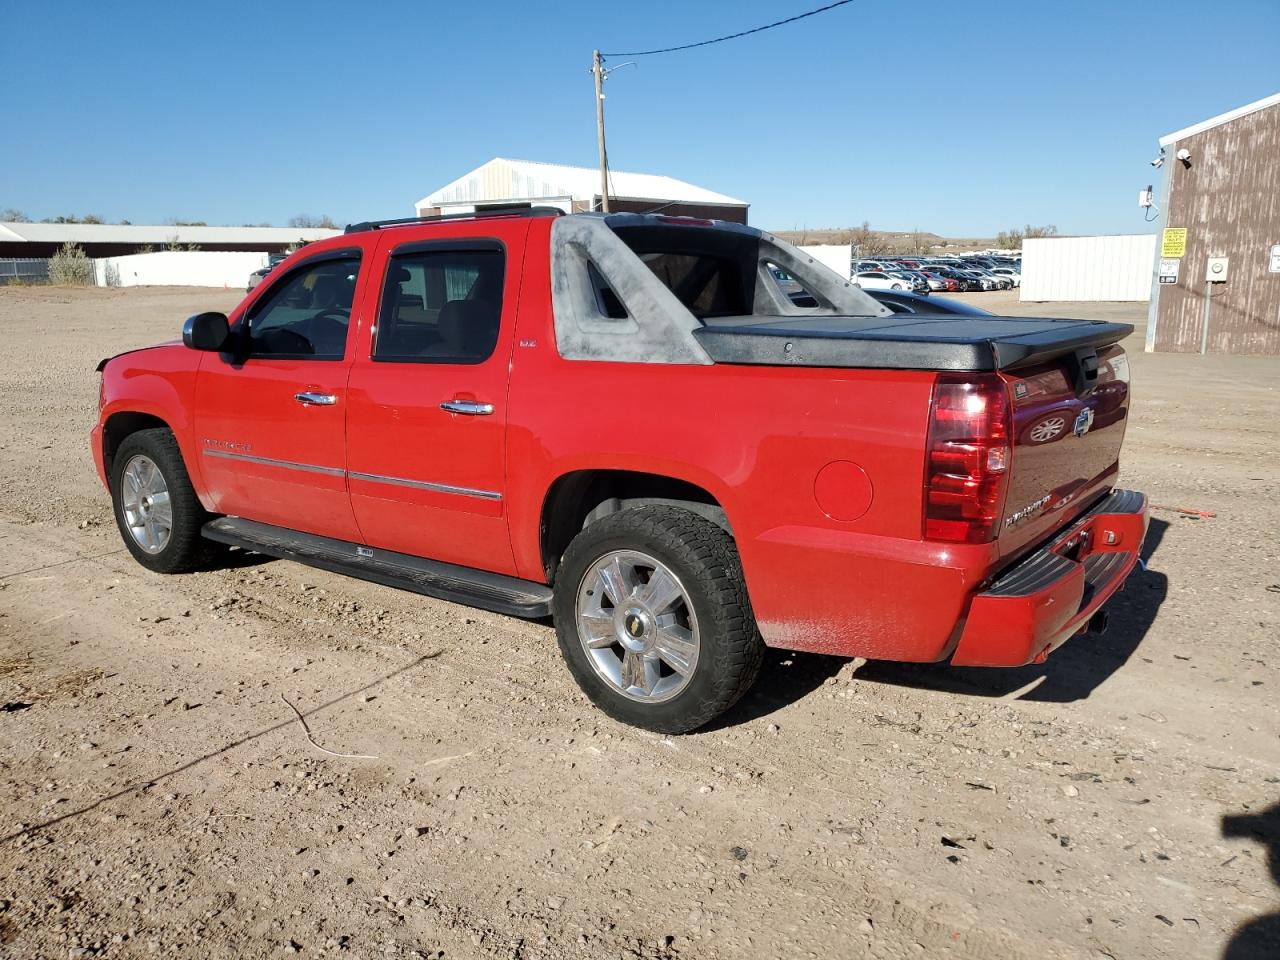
1099 622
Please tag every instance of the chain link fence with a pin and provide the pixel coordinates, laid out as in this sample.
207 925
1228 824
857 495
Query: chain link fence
24 270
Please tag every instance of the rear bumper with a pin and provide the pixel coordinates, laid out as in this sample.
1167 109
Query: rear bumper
1048 597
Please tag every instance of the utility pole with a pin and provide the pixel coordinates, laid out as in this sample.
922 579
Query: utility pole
598 70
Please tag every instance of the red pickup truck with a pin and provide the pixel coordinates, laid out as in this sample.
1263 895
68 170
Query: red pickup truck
624 422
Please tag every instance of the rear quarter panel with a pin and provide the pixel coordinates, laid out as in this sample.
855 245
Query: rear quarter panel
756 438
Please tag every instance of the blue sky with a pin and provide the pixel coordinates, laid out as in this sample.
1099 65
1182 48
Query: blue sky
958 118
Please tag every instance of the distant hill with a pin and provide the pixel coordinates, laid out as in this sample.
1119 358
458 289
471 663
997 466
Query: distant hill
879 242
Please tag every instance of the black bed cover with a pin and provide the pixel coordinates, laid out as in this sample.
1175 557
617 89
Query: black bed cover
901 341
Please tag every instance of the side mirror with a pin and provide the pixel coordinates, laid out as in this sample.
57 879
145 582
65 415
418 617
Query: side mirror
206 331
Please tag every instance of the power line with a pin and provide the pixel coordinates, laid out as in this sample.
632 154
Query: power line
733 36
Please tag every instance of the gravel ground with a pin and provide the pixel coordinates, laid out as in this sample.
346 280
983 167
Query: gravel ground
158 796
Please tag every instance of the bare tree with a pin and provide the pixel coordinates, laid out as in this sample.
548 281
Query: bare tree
90 218
307 220
865 241
1012 239
10 215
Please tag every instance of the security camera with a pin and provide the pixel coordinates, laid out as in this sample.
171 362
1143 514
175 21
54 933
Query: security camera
1158 162
1185 156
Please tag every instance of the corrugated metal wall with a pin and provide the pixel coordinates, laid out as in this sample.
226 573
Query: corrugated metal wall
1229 201
1088 268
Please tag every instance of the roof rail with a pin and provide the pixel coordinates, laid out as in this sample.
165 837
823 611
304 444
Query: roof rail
478 215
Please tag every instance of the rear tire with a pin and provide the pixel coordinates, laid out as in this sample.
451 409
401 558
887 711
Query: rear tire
156 508
653 619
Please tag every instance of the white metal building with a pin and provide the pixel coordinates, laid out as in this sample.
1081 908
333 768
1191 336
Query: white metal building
837 256
1088 268
505 183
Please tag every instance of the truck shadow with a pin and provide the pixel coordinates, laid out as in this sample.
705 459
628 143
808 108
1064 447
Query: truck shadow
1259 939
1073 671
785 677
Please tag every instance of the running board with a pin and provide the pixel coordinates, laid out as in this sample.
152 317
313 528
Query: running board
445 581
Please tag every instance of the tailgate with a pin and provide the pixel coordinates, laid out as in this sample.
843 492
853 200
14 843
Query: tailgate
1069 417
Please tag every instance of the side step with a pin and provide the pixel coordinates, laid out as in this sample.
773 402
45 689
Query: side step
445 581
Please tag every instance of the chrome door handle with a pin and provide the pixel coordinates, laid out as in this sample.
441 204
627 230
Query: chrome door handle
471 408
316 399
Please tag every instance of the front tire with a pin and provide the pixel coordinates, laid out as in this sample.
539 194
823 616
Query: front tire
653 618
156 508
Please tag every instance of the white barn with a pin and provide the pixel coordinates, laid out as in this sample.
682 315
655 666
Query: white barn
516 183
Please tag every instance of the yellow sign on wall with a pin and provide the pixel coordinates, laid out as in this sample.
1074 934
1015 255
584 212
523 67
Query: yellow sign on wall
1174 242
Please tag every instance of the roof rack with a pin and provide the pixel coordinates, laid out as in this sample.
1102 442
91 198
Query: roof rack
478 215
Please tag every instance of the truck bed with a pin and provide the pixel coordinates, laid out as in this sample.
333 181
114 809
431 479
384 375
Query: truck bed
904 342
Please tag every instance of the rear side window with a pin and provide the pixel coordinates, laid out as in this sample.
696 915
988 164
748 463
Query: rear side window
790 287
441 305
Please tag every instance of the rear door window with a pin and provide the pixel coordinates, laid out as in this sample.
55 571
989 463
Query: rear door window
441 304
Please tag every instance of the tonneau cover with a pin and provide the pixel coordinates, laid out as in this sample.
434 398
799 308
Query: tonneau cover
905 342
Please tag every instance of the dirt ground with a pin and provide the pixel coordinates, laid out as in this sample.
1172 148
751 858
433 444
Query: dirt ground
159 797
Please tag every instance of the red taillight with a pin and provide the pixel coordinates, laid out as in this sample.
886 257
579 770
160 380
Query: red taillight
968 459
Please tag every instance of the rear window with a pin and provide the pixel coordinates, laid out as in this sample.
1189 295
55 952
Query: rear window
711 272
708 285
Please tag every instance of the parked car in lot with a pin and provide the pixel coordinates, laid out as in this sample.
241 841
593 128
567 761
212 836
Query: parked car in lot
256 278
261 273
1001 283
977 280
939 282
916 281
1012 273
625 423
880 280
964 281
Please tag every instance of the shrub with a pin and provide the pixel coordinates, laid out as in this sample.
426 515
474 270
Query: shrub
70 267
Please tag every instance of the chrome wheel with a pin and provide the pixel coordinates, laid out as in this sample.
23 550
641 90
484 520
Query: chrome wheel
637 626
144 499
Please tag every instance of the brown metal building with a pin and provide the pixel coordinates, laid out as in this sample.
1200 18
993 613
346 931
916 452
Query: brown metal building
1222 185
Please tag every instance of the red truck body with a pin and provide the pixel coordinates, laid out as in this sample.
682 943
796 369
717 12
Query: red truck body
822 473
